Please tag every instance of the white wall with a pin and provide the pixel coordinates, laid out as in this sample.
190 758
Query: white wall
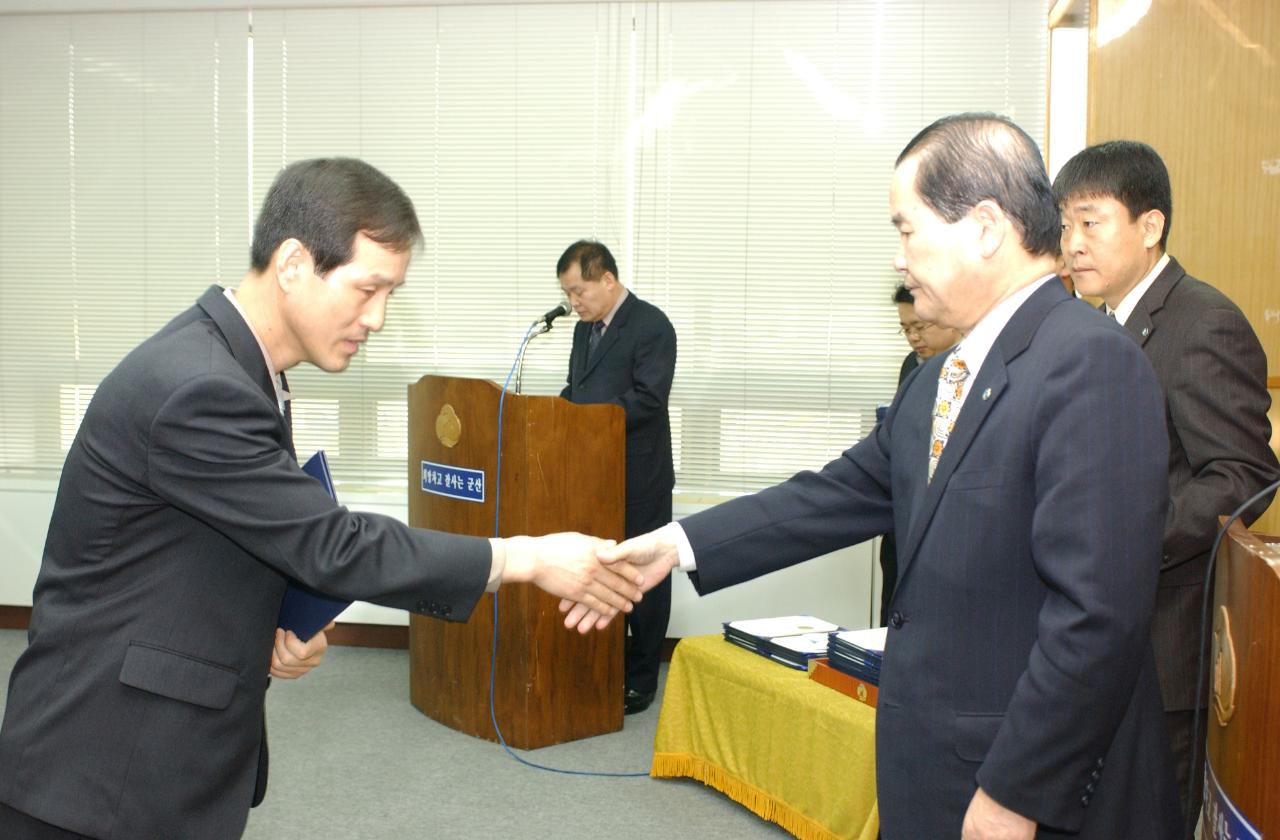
1068 94
839 587
25 508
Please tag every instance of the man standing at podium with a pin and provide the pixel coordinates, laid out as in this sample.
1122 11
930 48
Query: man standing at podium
136 710
1024 475
624 352
1117 209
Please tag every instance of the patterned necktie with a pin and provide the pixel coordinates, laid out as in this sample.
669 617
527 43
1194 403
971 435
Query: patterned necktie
593 340
946 407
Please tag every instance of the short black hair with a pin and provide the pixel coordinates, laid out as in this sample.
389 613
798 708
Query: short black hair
901 294
1129 171
324 203
973 157
592 258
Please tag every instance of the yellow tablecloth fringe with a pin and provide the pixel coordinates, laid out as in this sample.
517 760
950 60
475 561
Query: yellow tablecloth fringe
677 765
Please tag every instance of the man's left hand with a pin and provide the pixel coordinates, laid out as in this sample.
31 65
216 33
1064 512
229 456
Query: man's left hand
291 657
987 819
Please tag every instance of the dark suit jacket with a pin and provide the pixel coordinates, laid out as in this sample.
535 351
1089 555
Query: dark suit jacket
136 710
1019 654
633 367
910 363
1213 373
888 543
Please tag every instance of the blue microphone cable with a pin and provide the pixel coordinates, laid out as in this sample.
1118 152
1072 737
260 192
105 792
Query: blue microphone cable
493 650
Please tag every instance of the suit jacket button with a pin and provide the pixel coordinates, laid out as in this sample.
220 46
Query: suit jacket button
895 620
1084 801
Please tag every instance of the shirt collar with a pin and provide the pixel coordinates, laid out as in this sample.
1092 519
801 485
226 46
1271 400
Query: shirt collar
616 306
975 346
1126 307
282 396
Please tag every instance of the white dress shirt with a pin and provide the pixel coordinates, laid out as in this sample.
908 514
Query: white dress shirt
1122 312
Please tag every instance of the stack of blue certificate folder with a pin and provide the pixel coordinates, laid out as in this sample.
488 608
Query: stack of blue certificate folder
858 653
305 611
791 640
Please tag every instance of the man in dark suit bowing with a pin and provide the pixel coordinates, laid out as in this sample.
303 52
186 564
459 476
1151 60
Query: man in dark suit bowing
1023 473
136 710
1117 209
624 352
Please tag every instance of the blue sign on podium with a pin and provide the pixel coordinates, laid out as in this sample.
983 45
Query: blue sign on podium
1222 819
454 482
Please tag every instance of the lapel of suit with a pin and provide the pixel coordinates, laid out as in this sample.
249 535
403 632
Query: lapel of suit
985 392
1140 322
244 348
611 335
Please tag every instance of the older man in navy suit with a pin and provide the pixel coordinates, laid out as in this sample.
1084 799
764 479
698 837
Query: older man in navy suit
1024 476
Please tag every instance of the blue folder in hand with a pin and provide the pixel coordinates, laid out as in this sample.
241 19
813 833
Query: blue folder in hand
305 611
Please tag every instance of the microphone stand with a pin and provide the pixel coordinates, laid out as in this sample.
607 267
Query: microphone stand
529 336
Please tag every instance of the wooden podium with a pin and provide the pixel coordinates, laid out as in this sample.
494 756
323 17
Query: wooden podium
1243 774
562 470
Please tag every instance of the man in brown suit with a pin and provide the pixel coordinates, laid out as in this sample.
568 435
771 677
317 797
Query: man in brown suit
1116 210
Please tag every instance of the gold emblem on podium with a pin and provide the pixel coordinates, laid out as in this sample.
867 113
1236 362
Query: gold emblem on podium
448 426
1224 667
862 692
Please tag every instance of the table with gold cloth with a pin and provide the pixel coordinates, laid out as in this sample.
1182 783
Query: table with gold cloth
793 751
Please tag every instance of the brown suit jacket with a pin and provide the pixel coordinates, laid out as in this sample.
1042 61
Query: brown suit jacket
1213 372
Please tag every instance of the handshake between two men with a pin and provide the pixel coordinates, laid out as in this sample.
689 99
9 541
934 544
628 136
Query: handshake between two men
595 579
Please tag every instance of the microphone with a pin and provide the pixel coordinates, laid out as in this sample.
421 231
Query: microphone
537 328
562 309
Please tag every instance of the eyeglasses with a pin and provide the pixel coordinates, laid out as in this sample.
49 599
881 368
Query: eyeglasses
916 329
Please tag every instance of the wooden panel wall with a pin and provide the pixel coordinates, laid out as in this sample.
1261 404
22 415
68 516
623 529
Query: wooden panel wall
1200 81
1269 522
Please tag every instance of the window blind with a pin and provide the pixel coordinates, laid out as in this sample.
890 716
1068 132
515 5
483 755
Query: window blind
735 156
